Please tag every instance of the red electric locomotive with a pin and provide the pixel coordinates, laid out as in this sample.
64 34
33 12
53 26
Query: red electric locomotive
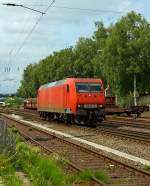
77 100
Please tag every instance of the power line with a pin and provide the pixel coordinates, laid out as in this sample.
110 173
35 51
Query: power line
22 30
93 10
99 10
126 8
19 5
88 9
81 9
9 67
33 28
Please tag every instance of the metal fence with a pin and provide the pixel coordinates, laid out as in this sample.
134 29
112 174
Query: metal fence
7 139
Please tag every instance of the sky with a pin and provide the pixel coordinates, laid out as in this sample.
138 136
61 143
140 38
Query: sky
59 28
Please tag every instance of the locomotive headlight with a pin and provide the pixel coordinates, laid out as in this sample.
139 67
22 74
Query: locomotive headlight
79 106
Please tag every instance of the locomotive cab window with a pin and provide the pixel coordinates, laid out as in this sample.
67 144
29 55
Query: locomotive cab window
95 87
88 87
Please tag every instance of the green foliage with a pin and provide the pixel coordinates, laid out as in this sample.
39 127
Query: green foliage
113 53
147 168
7 172
12 180
86 175
13 102
144 101
100 175
126 101
40 169
44 170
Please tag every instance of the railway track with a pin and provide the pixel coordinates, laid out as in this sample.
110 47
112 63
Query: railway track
81 157
115 122
126 121
109 126
138 123
134 135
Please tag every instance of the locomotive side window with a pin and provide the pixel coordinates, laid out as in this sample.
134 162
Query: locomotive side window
88 87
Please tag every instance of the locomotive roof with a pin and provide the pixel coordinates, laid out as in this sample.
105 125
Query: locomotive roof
61 82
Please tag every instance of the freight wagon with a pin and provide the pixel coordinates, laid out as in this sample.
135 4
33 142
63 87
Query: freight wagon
30 103
112 108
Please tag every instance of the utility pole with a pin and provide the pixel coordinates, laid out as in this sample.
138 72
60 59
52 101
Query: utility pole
134 93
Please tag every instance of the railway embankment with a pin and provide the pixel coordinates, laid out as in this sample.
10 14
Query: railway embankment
80 155
23 164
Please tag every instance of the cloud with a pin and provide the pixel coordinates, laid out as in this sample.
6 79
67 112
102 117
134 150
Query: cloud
57 29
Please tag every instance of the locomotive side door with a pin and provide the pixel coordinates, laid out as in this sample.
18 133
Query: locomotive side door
66 98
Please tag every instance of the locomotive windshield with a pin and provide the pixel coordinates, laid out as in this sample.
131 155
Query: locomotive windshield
88 87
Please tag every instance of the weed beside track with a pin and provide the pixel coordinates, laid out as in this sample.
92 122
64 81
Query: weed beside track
39 168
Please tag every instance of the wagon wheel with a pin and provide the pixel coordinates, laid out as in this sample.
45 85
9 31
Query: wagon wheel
128 114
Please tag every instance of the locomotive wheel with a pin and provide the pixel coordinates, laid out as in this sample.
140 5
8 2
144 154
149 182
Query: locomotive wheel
138 114
44 115
67 118
79 120
50 116
57 116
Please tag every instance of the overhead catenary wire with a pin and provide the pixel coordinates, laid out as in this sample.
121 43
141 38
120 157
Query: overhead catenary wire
33 28
126 8
23 6
88 9
9 67
93 10
81 9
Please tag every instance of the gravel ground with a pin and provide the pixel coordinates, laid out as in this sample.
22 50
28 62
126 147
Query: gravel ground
134 129
128 146
95 135
146 114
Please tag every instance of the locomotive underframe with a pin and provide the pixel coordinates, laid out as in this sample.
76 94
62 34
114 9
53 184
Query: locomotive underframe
83 116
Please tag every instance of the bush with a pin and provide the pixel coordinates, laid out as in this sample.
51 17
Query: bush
126 101
13 102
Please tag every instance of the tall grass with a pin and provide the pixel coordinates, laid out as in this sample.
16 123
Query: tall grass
45 171
12 180
147 168
7 172
100 175
40 169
